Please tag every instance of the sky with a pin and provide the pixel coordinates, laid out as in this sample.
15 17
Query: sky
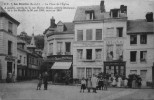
37 22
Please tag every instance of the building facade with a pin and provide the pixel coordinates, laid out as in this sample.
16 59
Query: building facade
140 47
98 35
8 44
58 48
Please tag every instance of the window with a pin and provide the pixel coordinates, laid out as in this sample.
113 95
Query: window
98 34
120 32
59 48
89 54
10 27
51 48
119 52
68 47
143 56
143 39
88 72
109 52
89 34
79 35
110 32
133 39
89 14
143 74
9 47
115 13
80 73
79 53
24 60
98 53
133 56
96 71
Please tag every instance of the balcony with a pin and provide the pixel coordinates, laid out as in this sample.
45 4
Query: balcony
67 53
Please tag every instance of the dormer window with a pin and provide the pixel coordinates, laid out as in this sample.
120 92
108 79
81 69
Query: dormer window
89 14
60 26
114 13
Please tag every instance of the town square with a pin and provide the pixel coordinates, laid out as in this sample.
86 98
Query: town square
76 50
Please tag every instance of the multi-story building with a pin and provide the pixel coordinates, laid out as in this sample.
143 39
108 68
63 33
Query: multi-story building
58 46
8 44
140 47
22 59
98 35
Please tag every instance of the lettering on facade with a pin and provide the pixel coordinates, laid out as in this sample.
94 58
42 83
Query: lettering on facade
10 58
60 58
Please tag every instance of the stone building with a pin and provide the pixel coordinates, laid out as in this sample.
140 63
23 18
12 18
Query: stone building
58 49
140 47
8 44
98 35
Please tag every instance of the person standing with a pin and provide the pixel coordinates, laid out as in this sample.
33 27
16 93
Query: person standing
83 84
13 77
101 83
119 81
39 82
45 80
105 83
89 84
94 83
114 81
125 83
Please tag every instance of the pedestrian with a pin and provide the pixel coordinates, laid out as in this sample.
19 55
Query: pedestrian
101 83
134 82
45 80
83 84
94 83
105 83
119 81
139 82
39 82
89 84
125 83
13 77
114 83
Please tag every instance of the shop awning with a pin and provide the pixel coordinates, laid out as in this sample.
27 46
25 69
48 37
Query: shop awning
61 65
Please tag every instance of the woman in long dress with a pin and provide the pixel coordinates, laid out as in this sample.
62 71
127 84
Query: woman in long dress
119 81
114 82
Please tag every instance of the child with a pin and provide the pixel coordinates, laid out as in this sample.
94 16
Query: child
83 84
39 82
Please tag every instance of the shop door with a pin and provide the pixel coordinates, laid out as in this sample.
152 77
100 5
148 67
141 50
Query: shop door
9 67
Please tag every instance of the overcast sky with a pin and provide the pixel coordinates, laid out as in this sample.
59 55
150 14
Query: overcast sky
41 21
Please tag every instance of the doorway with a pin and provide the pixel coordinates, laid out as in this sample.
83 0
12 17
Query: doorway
9 67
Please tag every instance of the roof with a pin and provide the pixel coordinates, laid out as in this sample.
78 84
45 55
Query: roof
81 16
140 26
68 29
4 13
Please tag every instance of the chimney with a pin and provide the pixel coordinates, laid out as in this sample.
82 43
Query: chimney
52 22
102 6
123 9
149 17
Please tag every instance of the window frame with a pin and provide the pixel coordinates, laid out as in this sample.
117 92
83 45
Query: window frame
89 32
119 31
78 35
97 32
143 36
131 56
135 41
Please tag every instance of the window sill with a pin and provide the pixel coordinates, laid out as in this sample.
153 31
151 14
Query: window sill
133 62
88 60
133 44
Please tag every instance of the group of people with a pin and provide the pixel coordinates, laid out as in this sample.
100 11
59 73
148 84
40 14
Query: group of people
10 77
133 81
93 83
43 79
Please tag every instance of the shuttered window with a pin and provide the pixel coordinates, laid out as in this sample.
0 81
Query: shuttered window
79 35
98 34
89 34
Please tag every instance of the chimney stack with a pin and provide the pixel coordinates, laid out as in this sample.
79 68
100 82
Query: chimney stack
123 9
102 6
149 17
52 22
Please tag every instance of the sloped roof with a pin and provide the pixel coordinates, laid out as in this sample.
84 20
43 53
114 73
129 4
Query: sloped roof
4 13
81 16
140 26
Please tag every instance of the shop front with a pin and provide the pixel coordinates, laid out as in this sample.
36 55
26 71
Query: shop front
61 71
115 67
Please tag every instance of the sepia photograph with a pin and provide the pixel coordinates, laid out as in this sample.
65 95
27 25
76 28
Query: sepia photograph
76 49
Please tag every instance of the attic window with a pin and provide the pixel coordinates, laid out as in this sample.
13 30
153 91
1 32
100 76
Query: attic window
114 13
89 14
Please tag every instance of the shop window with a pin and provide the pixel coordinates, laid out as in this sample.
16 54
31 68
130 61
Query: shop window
98 53
89 54
133 55
89 34
133 39
120 32
80 73
79 53
9 47
79 35
143 56
98 34
88 72
143 39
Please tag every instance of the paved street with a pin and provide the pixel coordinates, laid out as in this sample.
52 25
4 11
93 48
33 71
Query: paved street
27 91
